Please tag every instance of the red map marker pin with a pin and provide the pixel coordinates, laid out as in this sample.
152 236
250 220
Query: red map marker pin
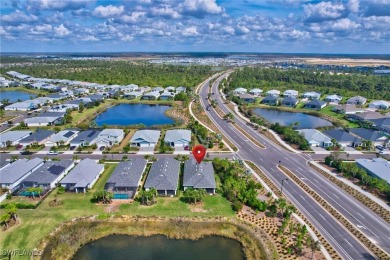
199 151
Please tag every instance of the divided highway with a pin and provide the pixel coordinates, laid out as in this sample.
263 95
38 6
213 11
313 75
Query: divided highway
267 159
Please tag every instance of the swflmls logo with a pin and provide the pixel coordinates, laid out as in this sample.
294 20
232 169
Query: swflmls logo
21 252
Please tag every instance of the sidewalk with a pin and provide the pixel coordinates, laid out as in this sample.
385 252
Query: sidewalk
374 198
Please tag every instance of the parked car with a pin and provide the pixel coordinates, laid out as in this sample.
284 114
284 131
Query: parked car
26 153
102 148
52 153
19 147
379 147
72 148
186 148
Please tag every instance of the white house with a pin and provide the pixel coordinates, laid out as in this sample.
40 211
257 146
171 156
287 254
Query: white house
315 137
272 92
145 138
333 99
290 93
255 92
167 96
170 89
21 106
42 120
63 137
312 95
379 104
178 137
109 137
12 137
238 91
180 89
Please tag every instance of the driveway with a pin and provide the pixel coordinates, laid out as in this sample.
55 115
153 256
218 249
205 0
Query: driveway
146 150
180 150
351 150
319 150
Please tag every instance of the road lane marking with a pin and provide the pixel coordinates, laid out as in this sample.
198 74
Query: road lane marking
302 197
322 216
336 196
348 242
360 215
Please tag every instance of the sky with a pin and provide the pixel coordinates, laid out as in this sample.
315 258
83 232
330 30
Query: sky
282 26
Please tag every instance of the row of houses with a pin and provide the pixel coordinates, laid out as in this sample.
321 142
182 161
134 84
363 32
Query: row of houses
124 182
105 137
81 87
163 176
291 98
354 137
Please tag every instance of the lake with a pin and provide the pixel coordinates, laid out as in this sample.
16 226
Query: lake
286 118
159 247
132 114
13 96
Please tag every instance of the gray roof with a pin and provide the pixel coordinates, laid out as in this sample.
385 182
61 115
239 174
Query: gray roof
367 116
86 136
367 134
313 134
270 98
381 121
150 136
341 136
246 96
177 135
63 135
316 103
16 170
12 136
48 172
199 176
38 136
40 120
152 94
355 99
128 173
378 166
164 174
83 174
51 114
111 132
289 100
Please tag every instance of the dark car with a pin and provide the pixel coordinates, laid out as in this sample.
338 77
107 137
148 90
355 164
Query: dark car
26 153
72 148
102 148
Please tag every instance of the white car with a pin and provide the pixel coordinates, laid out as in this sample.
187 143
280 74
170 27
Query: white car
52 153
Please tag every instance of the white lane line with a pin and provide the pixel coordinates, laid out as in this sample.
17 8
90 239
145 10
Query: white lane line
316 180
336 196
302 197
360 214
348 242
322 216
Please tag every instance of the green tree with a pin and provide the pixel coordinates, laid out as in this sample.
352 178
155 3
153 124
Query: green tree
81 107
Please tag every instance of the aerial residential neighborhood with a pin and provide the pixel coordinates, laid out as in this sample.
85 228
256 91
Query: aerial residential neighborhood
195 129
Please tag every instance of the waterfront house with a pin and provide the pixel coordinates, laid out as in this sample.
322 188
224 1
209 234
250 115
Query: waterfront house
333 99
343 138
133 94
272 92
167 96
375 137
315 137
357 100
247 98
379 104
126 178
178 137
86 138
312 95
256 92
347 109
48 175
154 95
164 176
110 137
145 138
289 102
315 104
83 176
199 176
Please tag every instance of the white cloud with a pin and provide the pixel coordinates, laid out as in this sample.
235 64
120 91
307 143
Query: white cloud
344 24
353 6
108 11
133 18
165 11
90 38
324 11
61 31
190 31
60 5
18 17
200 8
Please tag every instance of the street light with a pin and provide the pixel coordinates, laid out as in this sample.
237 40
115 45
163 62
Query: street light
280 162
281 188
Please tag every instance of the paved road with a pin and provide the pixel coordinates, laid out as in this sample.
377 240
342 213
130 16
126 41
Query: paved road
267 159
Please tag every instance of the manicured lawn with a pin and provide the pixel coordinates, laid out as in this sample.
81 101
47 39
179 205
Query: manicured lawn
328 111
29 90
37 223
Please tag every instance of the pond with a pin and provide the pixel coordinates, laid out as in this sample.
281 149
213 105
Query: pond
14 95
286 118
160 247
132 114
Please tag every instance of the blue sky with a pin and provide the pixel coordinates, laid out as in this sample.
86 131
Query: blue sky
304 26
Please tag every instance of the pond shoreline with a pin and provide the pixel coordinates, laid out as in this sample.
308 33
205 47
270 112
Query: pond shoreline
67 239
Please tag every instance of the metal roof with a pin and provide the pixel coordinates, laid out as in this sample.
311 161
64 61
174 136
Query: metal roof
150 136
175 135
83 173
164 174
378 166
38 136
16 170
199 176
128 173
48 172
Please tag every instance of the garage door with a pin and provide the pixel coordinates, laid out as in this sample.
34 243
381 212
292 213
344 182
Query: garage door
144 144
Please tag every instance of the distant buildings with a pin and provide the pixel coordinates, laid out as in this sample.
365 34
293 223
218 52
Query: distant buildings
379 104
333 99
239 91
256 92
312 95
248 98
315 104
357 100
290 93
348 109
273 92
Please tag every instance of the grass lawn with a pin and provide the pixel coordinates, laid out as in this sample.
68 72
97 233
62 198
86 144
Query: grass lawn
328 111
37 223
29 90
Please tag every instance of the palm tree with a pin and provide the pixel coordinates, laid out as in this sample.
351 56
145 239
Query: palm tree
4 219
282 204
314 245
14 158
153 193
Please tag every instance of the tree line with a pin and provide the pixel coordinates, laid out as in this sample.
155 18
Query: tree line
302 80
116 72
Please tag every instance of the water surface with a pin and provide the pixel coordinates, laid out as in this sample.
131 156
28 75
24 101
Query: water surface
286 118
14 95
159 247
132 114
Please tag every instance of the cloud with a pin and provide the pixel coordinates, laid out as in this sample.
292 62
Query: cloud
61 31
108 11
60 5
353 6
190 31
324 11
18 17
165 11
134 17
200 8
